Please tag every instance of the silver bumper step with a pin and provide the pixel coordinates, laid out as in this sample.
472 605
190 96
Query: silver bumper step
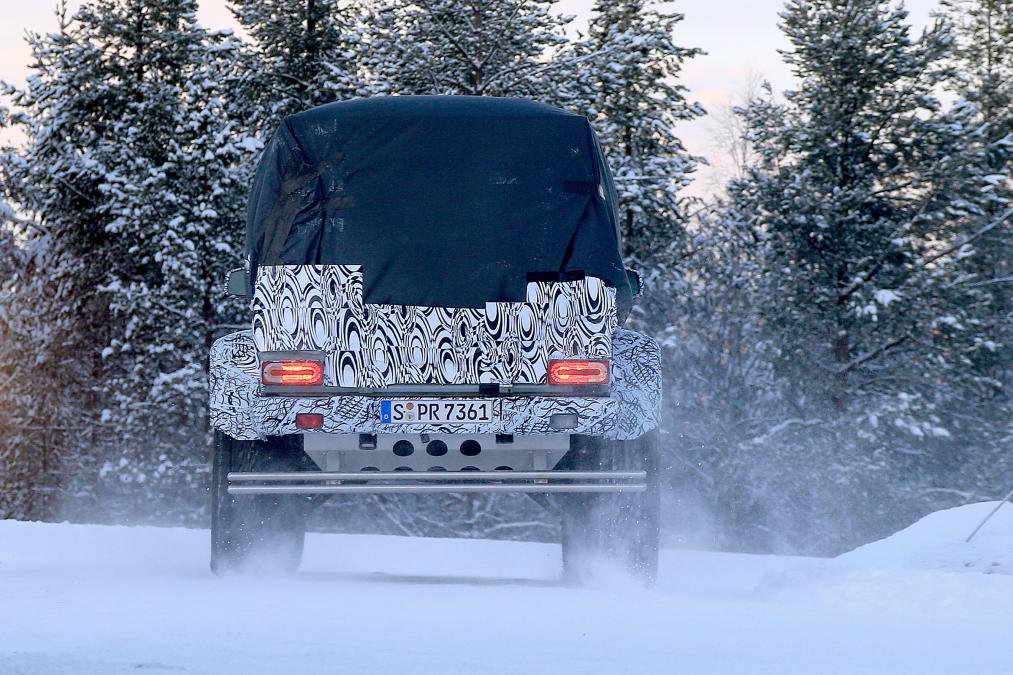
375 482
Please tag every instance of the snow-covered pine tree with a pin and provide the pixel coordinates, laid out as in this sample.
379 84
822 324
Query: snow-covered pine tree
304 54
37 370
136 169
861 201
466 47
52 318
982 55
634 102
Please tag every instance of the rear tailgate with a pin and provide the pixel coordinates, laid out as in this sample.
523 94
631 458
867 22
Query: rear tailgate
320 307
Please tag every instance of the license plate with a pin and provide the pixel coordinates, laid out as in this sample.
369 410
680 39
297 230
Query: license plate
437 411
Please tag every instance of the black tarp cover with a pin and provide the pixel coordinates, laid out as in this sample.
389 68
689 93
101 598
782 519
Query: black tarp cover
445 201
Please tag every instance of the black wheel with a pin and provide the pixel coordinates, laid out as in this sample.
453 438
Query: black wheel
619 528
255 532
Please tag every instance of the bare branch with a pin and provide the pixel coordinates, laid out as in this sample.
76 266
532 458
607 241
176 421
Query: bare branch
967 240
547 67
25 222
449 36
871 354
495 49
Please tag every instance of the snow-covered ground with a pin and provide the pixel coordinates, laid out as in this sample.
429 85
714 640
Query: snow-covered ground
94 599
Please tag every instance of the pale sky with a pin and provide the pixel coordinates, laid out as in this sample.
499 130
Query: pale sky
740 37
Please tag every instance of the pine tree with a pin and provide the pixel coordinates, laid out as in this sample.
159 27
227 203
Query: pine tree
304 54
857 189
466 47
53 183
634 103
135 167
863 204
982 56
38 405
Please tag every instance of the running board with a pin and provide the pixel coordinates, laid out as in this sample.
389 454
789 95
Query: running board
375 482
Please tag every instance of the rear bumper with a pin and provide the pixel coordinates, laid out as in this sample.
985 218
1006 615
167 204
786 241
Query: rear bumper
387 482
631 409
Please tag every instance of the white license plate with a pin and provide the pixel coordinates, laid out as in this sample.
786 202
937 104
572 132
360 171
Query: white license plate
437 411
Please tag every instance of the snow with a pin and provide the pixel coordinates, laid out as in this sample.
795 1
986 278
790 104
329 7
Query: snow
885 296
250 144
938 542
100 599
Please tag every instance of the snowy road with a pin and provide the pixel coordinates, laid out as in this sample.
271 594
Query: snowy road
92 599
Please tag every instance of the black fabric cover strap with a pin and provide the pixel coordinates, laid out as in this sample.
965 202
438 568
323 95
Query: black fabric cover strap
446 201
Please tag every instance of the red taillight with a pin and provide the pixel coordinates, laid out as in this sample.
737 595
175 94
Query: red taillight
292 373
309 421
578 371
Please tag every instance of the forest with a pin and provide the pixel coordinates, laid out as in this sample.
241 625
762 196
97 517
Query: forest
836 317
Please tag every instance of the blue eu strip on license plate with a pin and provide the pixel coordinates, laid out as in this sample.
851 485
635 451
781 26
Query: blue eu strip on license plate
385 411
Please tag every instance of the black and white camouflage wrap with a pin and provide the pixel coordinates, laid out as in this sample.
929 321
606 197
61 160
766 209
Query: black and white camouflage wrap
320 307
632 408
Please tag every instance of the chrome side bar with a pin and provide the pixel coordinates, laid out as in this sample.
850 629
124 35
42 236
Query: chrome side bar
244 477
431 487
388 482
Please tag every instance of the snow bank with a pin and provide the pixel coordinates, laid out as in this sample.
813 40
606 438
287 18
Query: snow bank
938 542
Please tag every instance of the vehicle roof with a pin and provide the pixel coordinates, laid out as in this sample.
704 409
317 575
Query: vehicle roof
432 106
447 201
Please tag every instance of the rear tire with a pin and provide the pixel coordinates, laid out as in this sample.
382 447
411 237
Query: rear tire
622 529
255 532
